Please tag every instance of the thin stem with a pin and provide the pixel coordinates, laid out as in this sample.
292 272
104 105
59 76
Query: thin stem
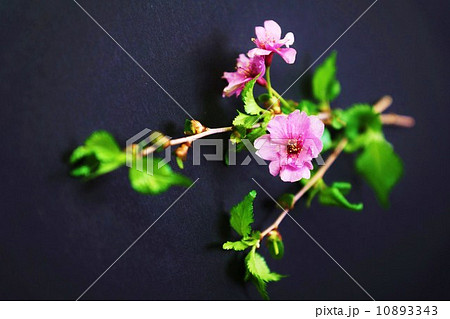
200 135
148 150
398 120
269 85
330 160
382 104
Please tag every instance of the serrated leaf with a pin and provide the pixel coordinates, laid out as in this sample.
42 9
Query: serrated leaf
334 196
380 167
255 133
257 266
100 154
246 121
242 215
324 84
250 105
155 180
235 245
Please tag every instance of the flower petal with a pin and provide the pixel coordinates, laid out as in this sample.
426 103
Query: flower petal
274 168
273 30
316 127
236 83
296 124
291 174
260 34
277 128
257 51
265 148
288 39
288 54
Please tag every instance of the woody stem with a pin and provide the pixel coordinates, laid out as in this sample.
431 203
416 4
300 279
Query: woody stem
330 160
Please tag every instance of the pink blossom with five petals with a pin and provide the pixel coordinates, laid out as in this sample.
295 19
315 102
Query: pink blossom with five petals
246 70
269 41
294 141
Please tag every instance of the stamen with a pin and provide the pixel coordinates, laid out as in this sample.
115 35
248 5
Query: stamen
294 146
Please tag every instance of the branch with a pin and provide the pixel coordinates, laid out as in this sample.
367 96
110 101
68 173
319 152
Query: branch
188 139
396 119
322 170
380 106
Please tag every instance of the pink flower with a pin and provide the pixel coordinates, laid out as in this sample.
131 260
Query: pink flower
293 142
246 70
269 41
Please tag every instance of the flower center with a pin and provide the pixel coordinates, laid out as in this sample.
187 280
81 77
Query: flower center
294 146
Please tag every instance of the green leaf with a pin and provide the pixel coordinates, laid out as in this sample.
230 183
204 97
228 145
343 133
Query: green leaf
255 133
156 180
334 196
99 155
259 272
103 145
337 121
253 239
239 133
246 121
324 84
363 125
180 163
250 105
235 245
308 107
261 286
257 266
242 215
381 168
326 140
286 200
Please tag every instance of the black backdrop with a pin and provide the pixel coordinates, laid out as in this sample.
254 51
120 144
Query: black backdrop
62 78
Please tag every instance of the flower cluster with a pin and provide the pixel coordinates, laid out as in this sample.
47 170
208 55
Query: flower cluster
268 41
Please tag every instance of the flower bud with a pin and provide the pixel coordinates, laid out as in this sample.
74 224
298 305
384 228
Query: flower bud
182 150
192 127
274 235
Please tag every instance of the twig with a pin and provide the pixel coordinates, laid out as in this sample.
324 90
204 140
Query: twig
190 139
398 120
330 160
383 104
380 106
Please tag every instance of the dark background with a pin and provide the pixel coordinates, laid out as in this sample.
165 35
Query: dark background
62 78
